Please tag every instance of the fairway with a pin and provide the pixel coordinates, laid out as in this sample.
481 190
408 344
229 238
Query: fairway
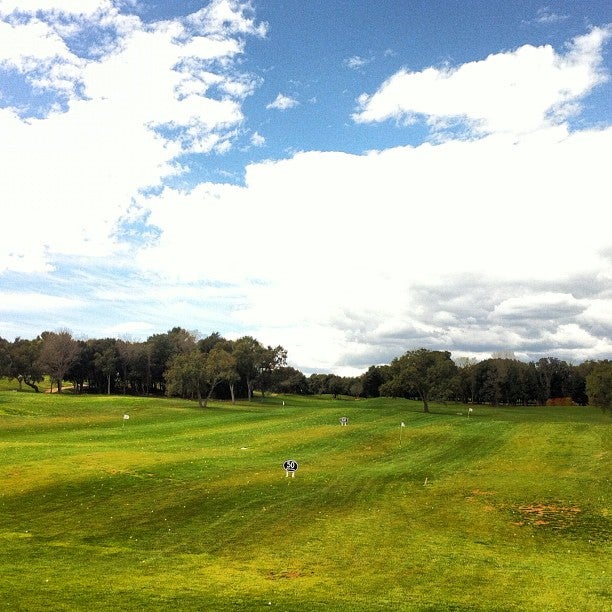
178 508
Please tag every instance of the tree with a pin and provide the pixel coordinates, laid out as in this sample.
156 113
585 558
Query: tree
24 362
58 352
518 385
81 369
162 348
574 385
5 357
394 387
317 384
220 366
186 375
197 373
255 363
599 385
499 381
373 379
208 344
124 350
223 359
337 385
106 362
137 364
431 374
488 381
248 354
552 377
288 380
466 367
356 387
270 359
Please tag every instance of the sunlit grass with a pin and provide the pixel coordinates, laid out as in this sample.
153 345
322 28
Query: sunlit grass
182 508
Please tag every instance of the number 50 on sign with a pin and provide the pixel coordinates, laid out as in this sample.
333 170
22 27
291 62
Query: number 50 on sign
291 467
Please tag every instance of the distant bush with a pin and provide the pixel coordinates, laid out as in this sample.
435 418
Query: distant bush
560 401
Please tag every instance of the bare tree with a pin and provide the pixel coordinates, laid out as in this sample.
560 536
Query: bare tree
58 352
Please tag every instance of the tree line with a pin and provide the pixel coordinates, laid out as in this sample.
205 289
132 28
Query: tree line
184 364
177 362
500 380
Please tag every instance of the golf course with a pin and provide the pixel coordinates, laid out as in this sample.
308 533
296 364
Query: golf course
141 503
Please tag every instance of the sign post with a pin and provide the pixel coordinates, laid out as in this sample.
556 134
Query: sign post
343 421
125 418
402 425
291 467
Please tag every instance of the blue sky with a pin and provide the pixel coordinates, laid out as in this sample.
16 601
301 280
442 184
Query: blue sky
349 179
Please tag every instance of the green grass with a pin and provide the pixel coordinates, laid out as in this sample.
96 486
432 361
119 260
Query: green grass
183 509
12 384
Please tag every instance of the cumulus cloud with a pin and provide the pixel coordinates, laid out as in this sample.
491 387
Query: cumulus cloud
66 7
282 102
454 245
109 126
597 316
516 92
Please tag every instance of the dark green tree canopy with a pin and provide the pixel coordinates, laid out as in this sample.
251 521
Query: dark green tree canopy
599 385
423 373
237 367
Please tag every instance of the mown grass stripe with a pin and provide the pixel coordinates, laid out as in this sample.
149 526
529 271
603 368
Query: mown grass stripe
187 508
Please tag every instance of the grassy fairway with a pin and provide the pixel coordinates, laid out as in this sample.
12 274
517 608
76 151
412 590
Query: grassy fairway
183 509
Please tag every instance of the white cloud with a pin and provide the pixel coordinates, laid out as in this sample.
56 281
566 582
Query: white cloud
128 329
598 314
355 62
572 336
548 304
24 46
67 7
339 241
257 139
18 301
346 260
546 15
114 125
516 92
282 102
223 16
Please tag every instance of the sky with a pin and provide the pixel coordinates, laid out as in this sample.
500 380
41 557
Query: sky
346 178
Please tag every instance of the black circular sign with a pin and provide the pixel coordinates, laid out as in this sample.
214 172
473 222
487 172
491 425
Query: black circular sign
290 465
